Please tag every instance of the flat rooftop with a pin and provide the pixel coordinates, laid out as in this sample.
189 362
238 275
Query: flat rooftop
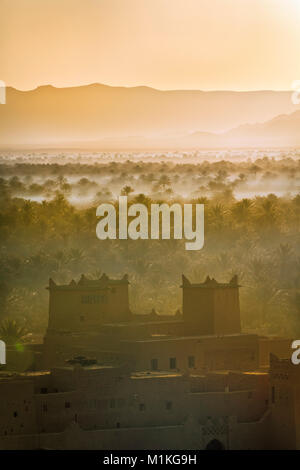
185 338
155 374
86 367
143 323
6 374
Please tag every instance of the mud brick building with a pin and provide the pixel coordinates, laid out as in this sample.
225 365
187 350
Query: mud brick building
109 379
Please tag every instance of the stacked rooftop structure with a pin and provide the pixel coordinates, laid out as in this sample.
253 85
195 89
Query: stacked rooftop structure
110 379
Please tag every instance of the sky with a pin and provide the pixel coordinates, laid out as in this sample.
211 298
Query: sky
165 44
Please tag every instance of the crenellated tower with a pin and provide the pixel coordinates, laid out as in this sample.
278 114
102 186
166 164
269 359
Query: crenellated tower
211 307
86 304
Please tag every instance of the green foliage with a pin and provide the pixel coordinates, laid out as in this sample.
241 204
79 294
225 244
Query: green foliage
11 332
48 230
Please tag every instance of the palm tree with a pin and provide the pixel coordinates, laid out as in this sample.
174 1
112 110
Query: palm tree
217 215
284 254
257 269
126 190
224 260
267 211
242 209
11 332
76 256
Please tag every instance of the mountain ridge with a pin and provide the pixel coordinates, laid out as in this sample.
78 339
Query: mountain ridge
52 116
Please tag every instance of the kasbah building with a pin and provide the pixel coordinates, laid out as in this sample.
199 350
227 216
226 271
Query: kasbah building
105 378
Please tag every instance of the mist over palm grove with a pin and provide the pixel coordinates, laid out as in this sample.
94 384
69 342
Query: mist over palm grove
123 125
252 214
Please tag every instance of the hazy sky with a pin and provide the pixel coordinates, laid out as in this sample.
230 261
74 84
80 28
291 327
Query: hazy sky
166 44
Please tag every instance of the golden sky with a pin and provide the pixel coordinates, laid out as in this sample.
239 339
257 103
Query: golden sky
166 44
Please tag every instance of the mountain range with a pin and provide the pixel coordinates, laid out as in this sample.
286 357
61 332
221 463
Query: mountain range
103 117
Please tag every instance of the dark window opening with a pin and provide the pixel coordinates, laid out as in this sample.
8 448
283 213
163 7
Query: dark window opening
142 407
154 364
44 390
172 362
191 362
215 444
67 404
112 403
15 414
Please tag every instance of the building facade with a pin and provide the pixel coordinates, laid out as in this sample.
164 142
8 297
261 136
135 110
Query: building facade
108 379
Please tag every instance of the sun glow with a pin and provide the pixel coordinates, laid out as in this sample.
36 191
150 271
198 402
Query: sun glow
199 44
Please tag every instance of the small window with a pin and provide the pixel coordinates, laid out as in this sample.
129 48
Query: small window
112 403
15 414
118 425
44 390
142 407
67 404
169 405
154 364
191 362
172 362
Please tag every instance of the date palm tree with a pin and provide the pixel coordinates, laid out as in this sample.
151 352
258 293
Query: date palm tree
11 332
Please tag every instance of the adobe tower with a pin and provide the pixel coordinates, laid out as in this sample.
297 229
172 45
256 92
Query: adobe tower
210 307
87 304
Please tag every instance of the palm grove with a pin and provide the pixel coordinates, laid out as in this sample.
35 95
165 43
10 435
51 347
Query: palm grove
48 220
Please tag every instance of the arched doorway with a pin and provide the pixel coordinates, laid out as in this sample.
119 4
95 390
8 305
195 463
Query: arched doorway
215 444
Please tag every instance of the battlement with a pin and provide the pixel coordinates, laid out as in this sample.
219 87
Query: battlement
88 303
210 283
103 283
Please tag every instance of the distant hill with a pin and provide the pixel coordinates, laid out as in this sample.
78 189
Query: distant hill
281 131
100 116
